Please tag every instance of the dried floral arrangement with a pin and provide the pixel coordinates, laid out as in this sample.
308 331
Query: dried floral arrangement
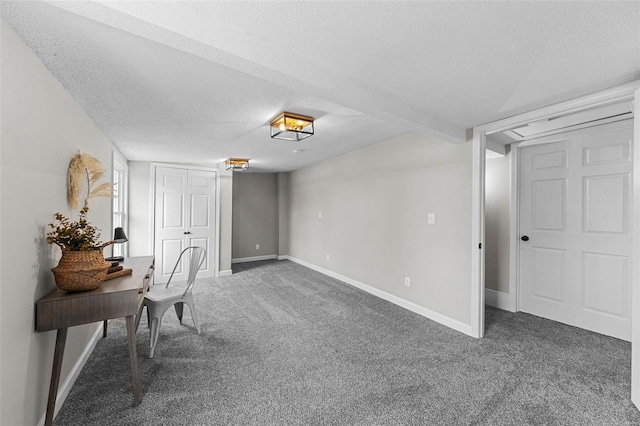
77 235
80 235
85 168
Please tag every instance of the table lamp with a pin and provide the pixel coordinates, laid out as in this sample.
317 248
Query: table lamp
119 237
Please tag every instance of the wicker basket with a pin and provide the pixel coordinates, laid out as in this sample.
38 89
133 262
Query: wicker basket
80 270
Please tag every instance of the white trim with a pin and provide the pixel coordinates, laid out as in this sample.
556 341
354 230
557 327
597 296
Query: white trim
254 258
613 95
635 259
498 299
427 313
477 234
65 388
120 162
284 257
225 273
587 131
213 168
514 228
152 210
216 268
587 125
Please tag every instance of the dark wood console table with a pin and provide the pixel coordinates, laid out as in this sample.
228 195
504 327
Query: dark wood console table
116 298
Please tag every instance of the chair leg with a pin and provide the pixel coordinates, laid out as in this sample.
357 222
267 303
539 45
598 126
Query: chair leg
179 309
194 314
153 337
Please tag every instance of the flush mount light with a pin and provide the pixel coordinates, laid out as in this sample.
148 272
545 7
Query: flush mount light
291 127
237 164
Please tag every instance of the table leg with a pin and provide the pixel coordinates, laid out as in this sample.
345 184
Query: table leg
104 328
61 339
133 360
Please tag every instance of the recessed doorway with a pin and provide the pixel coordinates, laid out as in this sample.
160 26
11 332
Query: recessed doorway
569 116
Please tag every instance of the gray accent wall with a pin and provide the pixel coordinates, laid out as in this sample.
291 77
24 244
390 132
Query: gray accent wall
42 128
367 210
255 214
497 220
284 206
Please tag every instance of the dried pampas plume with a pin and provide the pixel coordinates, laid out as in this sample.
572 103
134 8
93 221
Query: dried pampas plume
85 168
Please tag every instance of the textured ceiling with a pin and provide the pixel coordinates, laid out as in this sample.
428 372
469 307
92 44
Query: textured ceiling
198 81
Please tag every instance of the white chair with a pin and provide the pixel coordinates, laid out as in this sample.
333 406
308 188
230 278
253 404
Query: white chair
158 301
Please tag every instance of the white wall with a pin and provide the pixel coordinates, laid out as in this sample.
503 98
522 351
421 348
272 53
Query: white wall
497 220
255 214
42 127
226 218
374 204
141 210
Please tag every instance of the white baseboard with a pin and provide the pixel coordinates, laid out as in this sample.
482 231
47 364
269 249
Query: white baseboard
254 258
283 257
427 313
65 388
498 299
225 273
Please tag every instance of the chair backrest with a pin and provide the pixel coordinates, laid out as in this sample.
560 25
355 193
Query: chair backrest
197 255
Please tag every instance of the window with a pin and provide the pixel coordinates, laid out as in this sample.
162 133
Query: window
120 184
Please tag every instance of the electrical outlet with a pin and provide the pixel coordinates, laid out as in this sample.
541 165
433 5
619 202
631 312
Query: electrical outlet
327 258
257 246
431 218
407 282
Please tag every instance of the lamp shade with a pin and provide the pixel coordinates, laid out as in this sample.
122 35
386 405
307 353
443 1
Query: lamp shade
119 236
291 127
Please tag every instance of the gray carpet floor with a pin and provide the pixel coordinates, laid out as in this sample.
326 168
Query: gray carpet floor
284 345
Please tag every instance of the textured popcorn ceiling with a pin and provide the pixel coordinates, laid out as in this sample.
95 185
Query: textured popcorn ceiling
199 81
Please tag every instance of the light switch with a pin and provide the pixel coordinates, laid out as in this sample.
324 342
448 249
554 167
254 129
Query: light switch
431 218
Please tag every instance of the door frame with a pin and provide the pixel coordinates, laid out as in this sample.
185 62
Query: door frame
154 166
629 92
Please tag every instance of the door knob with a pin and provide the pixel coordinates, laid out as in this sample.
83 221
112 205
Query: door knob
186 232
524 238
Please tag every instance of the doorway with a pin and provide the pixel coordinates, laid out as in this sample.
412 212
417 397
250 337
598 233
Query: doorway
184 216
539 122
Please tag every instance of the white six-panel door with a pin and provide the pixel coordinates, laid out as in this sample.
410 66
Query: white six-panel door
575 203
184 216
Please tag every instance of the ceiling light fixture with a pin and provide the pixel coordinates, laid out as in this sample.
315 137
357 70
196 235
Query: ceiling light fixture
237 164
291 127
